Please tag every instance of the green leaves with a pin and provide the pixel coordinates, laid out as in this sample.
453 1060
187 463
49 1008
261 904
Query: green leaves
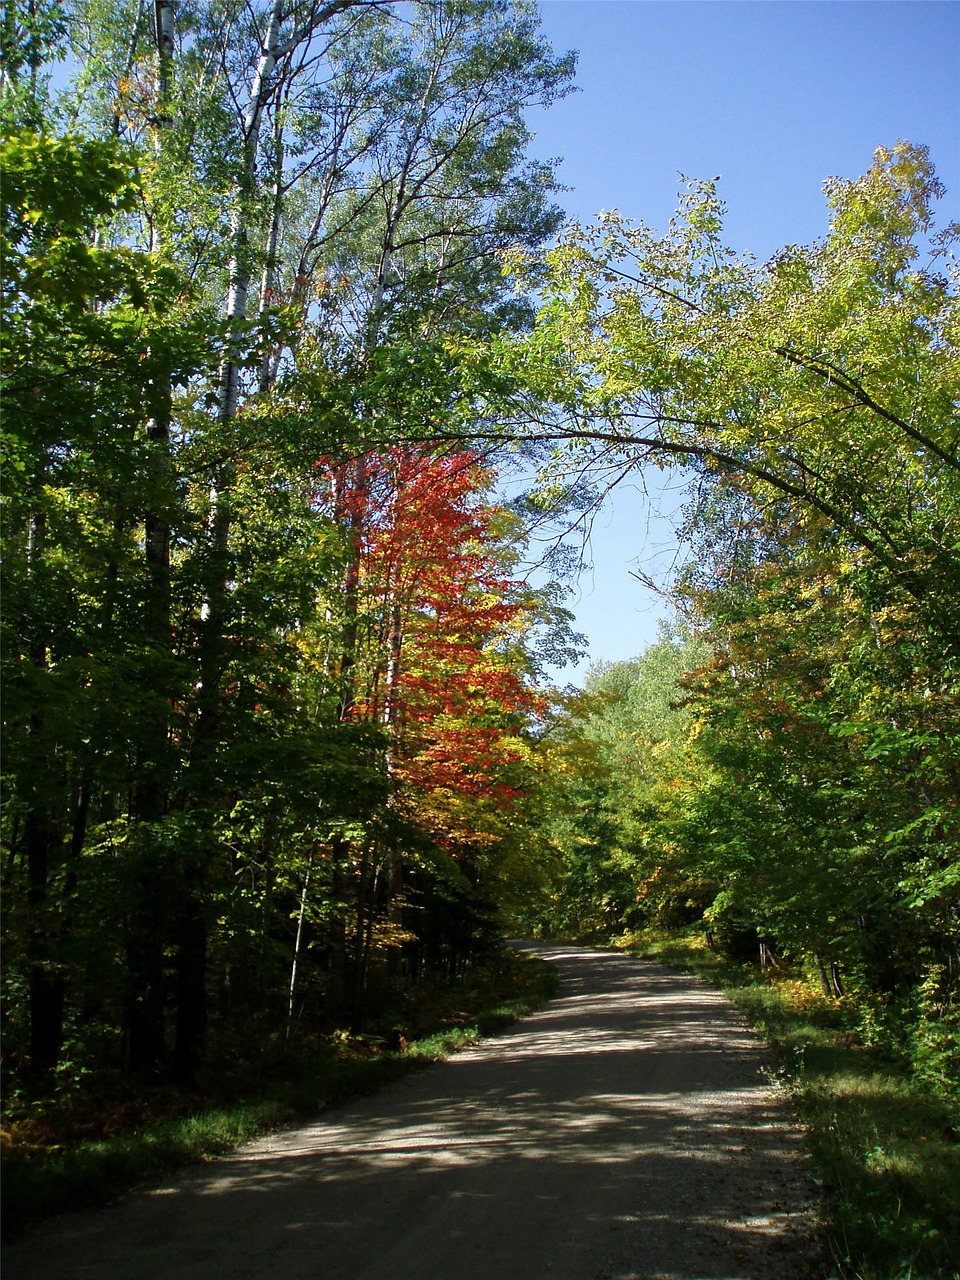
824 379
809 787
616 765
61 186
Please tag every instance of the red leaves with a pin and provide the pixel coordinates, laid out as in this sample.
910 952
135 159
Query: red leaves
442 618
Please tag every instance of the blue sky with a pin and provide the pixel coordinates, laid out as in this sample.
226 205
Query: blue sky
771 95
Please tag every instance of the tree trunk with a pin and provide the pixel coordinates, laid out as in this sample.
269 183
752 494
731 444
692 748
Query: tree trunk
337 990
296 946
145 1019
823 975
145 1016
47 982
212 660
351 590
191 1023
394 878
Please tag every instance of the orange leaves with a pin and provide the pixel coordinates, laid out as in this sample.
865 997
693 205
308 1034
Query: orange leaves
439 664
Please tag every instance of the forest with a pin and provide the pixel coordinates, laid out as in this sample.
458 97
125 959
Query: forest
298 352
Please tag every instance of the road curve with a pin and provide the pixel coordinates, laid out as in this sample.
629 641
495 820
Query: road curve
624 1132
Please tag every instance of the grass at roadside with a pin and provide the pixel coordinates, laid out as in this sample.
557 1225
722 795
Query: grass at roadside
886 1149
50 1167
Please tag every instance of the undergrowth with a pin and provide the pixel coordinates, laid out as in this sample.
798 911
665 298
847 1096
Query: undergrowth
885 1146
87 1148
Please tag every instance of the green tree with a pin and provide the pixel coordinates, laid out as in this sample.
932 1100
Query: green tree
89 330
32 35
612 758
823 379
186 786
813 400
828 810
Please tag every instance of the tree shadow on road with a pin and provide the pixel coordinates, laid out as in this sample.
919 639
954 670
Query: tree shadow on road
628 1130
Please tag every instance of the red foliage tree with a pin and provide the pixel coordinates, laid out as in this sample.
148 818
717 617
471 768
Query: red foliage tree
439 623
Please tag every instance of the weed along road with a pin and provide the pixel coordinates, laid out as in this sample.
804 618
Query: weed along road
625 1132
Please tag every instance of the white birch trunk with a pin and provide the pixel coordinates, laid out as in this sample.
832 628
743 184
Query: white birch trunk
297 944
272 52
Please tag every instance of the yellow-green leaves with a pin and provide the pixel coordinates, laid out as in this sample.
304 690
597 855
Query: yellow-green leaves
825 378
63 185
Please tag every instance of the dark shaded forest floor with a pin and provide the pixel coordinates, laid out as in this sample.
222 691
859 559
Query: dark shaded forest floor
95 1137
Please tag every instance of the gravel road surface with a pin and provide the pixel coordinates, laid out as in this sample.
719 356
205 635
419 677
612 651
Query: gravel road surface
627 1131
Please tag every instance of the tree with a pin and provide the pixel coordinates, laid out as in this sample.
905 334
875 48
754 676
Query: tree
778 375
362 129
812 399
613 759
32 35
439 662
88 328
828 806
181 353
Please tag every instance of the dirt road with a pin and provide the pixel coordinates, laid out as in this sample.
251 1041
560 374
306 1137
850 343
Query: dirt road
625 1132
